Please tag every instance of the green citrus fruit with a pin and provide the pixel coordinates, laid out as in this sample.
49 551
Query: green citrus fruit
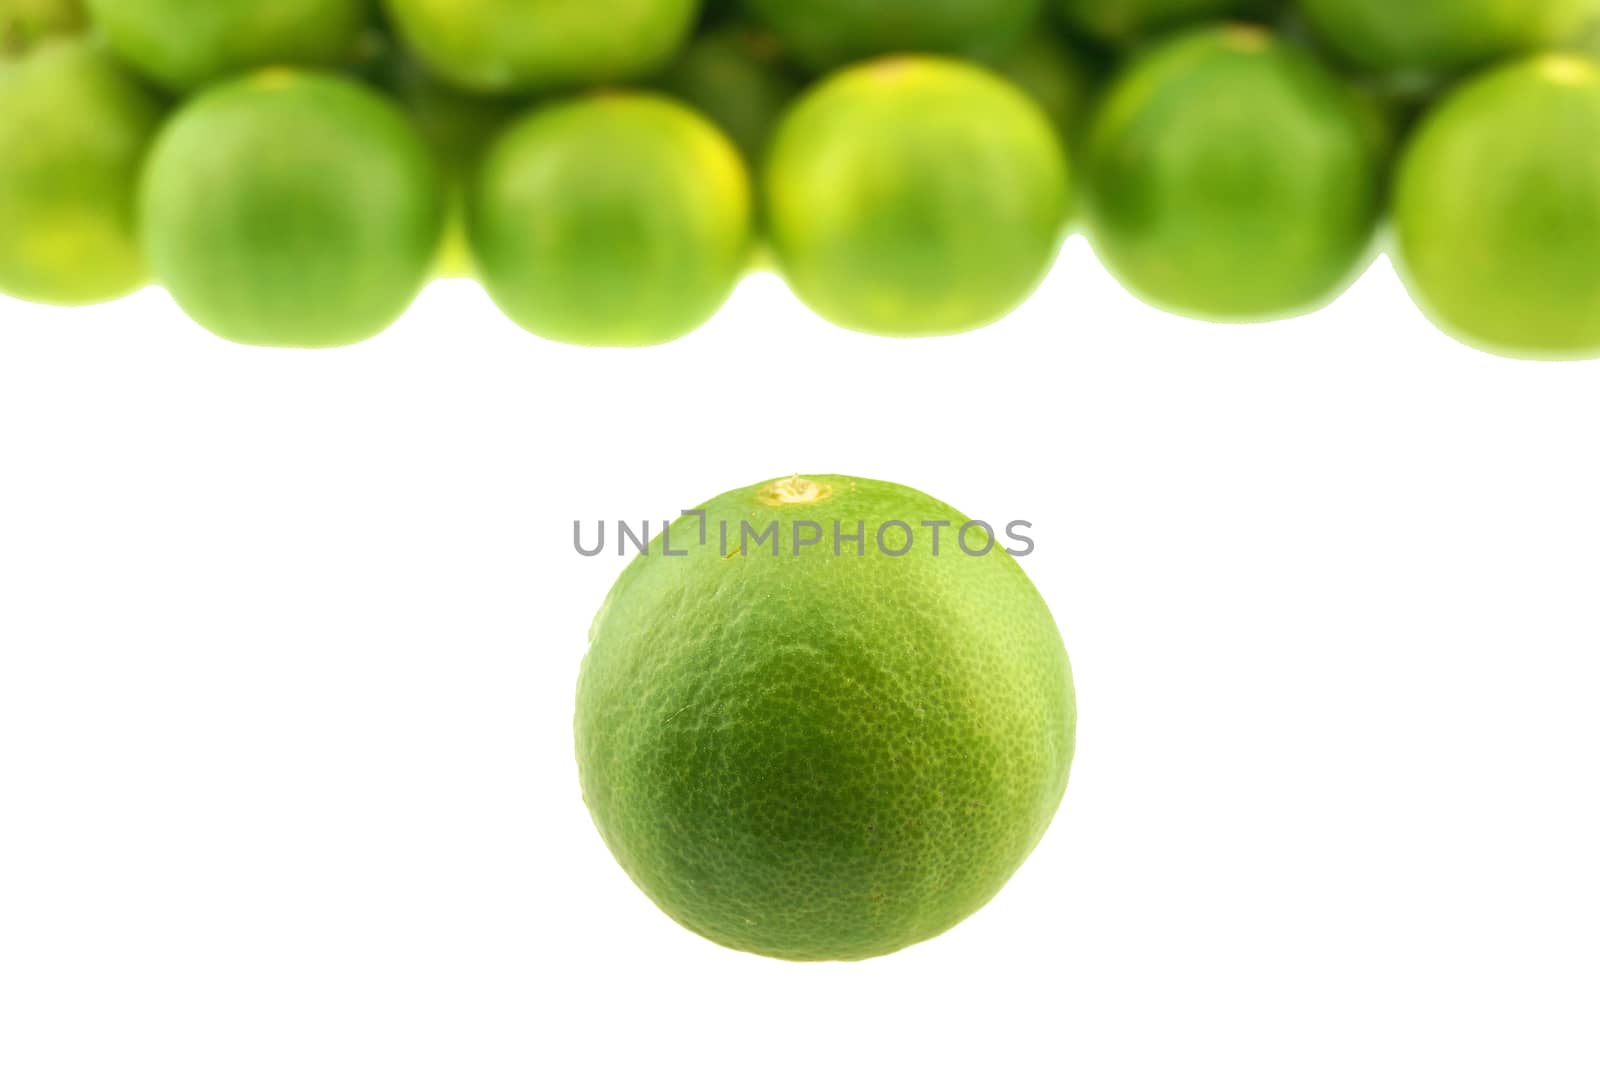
916 196
291 209
508 46
826 33
1059 76
23 23
809 753
1124 22
734 75
620 219
1231 177
1440 36
74 128
1497 210
184 43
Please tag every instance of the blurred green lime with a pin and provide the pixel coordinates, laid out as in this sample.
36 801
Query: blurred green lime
185 43
521 46
1232 178
826 33
292 210
1497 210
1435 37
916 196
24 23
73 129
620 219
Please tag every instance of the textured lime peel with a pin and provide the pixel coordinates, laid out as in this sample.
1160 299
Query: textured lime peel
820 755
796 490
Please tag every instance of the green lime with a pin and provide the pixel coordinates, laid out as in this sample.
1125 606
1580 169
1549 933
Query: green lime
916 196
619 219
826 33
520 46
183 43
1497 210
1232 178
735 76
74 128
1125 22
815 748
1437 37
23 23
291 209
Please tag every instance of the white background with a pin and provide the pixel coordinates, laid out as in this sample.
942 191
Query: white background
288 644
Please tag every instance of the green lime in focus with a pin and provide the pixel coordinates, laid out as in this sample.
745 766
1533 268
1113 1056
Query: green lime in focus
1232 178
524 46
184 44
74 128
814 752
621 219
1497 210
916 196
292 209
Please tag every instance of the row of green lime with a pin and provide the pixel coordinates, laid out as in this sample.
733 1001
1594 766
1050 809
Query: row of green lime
526 46
1227 172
